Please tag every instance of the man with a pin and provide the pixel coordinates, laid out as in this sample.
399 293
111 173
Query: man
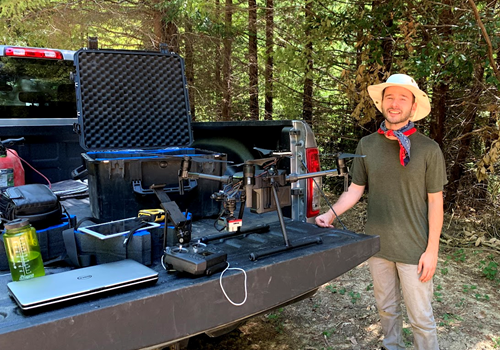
404 173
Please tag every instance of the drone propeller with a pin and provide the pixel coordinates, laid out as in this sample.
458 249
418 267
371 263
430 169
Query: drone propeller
197 159
268 152
271 156
265 152
260 161
350 155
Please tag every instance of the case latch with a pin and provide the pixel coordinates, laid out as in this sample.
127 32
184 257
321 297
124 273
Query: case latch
93 43
164 48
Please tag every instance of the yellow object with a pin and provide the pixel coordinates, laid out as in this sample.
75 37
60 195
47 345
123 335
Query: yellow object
158 214
23 250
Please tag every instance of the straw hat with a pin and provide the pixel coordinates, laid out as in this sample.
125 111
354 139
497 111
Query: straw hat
407 82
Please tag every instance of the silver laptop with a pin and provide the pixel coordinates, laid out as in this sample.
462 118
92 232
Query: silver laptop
77 283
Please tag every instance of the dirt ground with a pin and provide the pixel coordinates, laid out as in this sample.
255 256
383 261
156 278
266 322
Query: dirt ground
342 315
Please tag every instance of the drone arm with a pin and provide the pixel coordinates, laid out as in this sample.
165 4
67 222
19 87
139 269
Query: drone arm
224 178
185 174
296 177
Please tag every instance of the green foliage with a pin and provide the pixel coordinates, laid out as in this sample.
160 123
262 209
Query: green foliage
468 288
355 296
459 255
437 294
461 303
276 318
448 319
484 297
490 271
331 288
407 336
329 332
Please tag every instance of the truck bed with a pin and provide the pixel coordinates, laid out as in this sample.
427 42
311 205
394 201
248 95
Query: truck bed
180 306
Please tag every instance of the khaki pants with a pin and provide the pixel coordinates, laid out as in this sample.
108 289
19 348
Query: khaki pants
389 278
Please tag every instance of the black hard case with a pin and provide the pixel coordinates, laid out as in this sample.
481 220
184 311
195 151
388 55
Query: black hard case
134 122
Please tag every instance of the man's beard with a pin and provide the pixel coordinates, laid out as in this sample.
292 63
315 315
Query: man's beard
403 117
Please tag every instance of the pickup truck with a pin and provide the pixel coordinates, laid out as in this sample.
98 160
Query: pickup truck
37 103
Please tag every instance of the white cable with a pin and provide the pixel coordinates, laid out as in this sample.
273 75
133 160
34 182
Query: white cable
223 291
162 263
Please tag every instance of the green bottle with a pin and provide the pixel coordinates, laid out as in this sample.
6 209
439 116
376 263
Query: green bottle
23 250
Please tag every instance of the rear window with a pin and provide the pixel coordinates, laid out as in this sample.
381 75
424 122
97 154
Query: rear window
36 88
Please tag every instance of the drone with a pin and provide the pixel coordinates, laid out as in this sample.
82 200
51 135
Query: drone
261 189
261 186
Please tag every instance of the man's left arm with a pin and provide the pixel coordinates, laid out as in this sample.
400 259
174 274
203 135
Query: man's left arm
428 260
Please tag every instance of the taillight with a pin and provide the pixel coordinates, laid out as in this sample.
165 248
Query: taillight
33 53
313 192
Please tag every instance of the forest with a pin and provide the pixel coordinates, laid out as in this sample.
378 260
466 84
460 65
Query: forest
313 60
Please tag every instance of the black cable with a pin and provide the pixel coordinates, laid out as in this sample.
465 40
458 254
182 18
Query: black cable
87 218
215 222
329 205
324 196
130 234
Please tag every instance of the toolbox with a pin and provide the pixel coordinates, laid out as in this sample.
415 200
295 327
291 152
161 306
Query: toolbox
134 123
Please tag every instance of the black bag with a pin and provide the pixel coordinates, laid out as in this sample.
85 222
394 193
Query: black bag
35 202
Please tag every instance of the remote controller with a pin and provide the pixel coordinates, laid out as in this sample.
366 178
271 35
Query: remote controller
195 260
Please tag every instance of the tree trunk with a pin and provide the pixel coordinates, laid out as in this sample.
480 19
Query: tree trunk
226 66
268 73
167 33
252 60
387 48
189 58
469 121
173 37
159 26
440 98
494 114
439 102
307 109
218 67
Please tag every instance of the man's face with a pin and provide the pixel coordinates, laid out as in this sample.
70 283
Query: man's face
397 106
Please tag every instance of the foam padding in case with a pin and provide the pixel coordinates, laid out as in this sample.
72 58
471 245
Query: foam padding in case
131 99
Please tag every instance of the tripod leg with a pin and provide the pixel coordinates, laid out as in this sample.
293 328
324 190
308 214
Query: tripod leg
280 213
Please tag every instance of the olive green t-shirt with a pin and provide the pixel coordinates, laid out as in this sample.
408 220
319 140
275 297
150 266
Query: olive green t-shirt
397 195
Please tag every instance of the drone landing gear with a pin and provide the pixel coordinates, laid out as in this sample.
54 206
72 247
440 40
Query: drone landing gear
244 230
288 245
270 251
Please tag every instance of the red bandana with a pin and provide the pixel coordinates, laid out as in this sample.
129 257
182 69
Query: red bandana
404 142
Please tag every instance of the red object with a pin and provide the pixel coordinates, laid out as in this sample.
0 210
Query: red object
313 196
33 53
402 152
11 170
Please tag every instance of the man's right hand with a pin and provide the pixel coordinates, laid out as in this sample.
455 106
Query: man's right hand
324 220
